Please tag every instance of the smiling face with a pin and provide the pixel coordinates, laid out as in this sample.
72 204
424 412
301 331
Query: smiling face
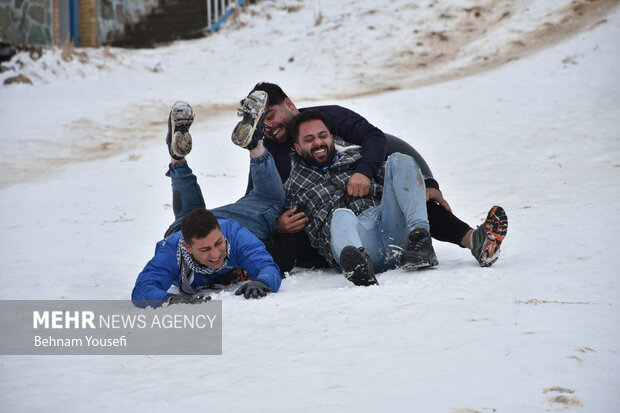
209 250
316 143
278 120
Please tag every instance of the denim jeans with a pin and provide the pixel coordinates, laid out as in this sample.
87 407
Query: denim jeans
257 211
383 230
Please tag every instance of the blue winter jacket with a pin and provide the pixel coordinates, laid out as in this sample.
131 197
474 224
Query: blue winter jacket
162 271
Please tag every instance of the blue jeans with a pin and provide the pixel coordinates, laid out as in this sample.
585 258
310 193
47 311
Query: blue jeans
257 211
383 230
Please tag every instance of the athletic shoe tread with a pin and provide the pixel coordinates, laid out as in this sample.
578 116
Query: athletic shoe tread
488 237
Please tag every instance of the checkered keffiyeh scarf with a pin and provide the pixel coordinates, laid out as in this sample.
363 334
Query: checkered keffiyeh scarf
188 266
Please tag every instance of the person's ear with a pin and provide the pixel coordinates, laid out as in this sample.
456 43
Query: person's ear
187 247
297 149
290 105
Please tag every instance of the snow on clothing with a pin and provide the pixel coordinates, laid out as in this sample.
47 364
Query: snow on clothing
318 194
162 271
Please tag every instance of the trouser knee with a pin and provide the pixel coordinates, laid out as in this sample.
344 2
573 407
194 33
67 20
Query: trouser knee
397 161
343 216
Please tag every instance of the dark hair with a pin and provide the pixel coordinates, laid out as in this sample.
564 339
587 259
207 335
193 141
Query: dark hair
305 116
198 224
274 92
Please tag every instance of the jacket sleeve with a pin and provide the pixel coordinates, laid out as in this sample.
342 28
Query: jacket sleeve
355 129
253 257
158 275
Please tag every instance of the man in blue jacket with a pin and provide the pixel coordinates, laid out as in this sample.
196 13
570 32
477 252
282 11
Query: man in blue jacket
212 246
193 259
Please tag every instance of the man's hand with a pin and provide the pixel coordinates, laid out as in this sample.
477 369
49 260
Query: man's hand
358 185
253 289
435 195
188 299
289 222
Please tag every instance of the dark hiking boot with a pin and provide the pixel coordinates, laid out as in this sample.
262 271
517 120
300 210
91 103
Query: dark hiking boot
356 266
178 139
419 252
250 129
487 238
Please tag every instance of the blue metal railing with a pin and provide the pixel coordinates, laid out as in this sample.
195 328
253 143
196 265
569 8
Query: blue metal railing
73 22
220 10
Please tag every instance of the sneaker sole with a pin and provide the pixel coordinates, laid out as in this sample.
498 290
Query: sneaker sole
243 132
181 118
495 229
181 144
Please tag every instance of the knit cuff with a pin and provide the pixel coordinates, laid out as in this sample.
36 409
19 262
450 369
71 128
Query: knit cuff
431 183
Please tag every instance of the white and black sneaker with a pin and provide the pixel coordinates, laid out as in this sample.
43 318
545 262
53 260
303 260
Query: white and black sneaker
178 139
357 267
250 129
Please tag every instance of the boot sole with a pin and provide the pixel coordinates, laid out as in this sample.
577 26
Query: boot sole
411 266
356 275
360 280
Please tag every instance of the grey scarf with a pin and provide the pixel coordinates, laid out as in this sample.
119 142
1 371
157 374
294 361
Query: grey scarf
188 266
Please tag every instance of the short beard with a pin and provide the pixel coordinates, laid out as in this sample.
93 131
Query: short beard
331 153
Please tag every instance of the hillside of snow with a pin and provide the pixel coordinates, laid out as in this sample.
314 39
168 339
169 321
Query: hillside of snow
514 103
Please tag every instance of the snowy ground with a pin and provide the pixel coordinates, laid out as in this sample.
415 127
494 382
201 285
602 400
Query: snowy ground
534 127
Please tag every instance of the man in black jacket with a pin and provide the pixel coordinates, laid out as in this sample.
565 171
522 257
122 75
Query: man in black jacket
291 246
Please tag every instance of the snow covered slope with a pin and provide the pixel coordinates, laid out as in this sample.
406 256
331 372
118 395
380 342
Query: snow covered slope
534 127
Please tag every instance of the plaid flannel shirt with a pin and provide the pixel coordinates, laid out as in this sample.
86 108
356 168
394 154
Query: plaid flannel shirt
318 194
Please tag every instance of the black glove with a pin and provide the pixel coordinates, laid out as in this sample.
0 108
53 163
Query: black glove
254 289
189 299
